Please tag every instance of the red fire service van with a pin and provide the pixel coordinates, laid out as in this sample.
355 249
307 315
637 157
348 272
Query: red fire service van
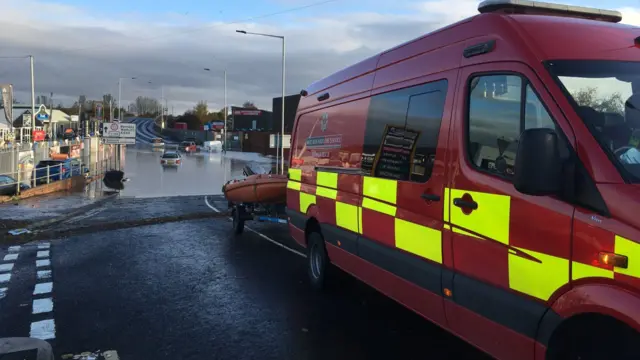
486 176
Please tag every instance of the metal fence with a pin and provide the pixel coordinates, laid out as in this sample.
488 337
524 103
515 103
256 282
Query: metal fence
22 168
50 171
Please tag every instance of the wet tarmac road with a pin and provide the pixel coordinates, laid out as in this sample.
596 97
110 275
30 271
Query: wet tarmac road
191 290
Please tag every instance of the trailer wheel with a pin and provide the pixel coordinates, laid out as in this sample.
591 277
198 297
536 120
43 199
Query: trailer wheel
238 220
317 261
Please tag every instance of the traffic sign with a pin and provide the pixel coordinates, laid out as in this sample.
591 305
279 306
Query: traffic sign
42 114
119 141
119 130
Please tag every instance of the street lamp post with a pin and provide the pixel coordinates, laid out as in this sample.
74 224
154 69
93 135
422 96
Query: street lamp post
224 144
283 91
120 96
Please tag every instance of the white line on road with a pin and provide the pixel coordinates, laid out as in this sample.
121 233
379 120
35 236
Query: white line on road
209 205
260 234
6 267
42 305
3 292
10 257
43 254
44 330
14 248
5 278
44 274
43 288
43 263
44 246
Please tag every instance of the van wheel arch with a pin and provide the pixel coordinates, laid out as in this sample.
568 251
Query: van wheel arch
593 335
311 226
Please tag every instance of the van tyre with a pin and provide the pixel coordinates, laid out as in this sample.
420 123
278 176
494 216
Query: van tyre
317 261
606 339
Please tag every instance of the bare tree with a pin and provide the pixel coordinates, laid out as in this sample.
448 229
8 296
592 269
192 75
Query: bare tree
249 105
589 97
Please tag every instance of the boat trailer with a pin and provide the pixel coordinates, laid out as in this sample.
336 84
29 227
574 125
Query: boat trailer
241 213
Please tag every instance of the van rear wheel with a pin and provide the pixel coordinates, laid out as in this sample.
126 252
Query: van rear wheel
317 261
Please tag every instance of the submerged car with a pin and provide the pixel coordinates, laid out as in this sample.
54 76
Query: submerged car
170 158
157 143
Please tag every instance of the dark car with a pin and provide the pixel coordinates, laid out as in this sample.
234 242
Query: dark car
8 186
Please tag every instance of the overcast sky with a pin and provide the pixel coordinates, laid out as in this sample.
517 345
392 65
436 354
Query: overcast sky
83 47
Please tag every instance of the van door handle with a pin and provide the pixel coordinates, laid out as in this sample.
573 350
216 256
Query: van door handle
430 197
465 204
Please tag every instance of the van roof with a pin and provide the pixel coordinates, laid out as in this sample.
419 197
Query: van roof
547 37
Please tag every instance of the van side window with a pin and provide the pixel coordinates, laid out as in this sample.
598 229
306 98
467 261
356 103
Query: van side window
402 130
497 118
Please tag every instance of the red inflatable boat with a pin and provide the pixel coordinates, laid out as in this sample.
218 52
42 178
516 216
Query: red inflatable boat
262 188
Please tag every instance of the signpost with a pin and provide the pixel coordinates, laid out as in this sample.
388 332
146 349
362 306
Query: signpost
98 111
7 102
119 133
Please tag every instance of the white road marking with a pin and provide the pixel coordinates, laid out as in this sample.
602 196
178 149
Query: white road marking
111 355
44 246
275 242
210 206
10 257
43 254
42 263
42 305
5 277
44 274
260 234
6 267
3 292
43 288
14 248
44 330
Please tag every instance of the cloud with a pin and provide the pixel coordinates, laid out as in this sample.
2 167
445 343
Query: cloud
78 52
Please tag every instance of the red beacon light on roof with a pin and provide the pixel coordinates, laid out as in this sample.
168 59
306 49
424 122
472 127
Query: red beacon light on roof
543 8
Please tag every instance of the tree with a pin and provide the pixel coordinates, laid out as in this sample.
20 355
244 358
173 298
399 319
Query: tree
146 106
201 111
589 97
249 105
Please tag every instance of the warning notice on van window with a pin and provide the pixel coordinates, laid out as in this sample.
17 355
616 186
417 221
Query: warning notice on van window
394 158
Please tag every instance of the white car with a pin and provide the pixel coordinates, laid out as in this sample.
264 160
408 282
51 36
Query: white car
157 143
171 158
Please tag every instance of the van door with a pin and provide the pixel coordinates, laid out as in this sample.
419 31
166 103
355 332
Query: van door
511 251
402 191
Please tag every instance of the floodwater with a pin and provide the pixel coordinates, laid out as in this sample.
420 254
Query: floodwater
201 173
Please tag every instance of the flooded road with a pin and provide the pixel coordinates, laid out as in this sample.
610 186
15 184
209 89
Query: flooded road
201 173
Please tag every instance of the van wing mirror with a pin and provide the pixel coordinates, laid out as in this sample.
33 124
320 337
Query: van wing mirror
538 167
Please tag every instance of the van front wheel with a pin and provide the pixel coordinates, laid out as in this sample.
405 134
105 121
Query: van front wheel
317 261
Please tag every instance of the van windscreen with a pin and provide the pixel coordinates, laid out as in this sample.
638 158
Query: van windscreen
606 95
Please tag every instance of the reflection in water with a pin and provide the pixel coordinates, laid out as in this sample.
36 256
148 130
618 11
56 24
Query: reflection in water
199 174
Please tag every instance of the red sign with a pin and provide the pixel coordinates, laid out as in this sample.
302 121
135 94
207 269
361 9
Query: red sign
37 135
247 112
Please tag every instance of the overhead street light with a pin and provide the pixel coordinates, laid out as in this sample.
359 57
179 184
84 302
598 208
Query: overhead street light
283 91
120 95
224 144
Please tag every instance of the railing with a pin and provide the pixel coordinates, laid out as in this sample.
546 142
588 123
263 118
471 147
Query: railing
14 183
24 146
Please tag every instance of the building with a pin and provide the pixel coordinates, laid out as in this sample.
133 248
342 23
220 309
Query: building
59 119
251 119
291 106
